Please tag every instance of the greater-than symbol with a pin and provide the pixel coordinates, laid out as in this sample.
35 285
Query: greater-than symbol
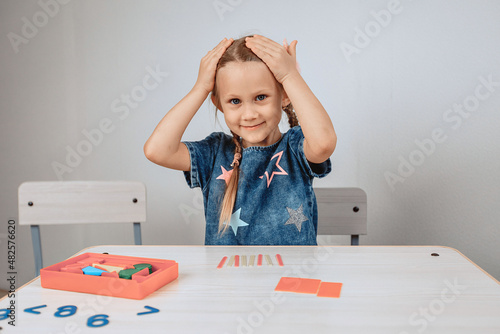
151 310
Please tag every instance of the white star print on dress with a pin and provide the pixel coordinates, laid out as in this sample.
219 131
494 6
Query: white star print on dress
236 221
296 217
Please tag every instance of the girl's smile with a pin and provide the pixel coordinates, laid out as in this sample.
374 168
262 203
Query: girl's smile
252 127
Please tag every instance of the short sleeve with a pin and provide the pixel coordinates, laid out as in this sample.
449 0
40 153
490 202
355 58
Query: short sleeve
296 144
202 154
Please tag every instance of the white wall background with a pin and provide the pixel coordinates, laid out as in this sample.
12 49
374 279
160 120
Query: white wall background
74 62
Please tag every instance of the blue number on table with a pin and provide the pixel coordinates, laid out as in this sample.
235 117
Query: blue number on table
98 320
4 313
65 311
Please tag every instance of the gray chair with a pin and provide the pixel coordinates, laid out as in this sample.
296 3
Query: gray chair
342 211
80 202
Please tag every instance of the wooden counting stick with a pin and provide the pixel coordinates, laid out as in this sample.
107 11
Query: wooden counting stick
279 259
268 260
221 263
251 261
244 260
236 261
231 261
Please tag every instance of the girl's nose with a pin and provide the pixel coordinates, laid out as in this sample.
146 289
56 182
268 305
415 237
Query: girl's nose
249 112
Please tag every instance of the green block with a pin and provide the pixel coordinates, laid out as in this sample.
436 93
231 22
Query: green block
144 265
127 273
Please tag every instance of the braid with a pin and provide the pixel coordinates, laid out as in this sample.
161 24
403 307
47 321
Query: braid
292 117
231 188
237 150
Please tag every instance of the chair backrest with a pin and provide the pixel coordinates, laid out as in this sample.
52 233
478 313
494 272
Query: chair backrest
342 211
80 202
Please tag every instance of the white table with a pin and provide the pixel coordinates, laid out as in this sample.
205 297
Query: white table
400 290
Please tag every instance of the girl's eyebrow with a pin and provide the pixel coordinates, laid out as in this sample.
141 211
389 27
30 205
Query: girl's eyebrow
229 97
262 91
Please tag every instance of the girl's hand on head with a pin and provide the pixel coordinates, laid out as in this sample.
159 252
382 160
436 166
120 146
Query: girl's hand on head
280 59
208 66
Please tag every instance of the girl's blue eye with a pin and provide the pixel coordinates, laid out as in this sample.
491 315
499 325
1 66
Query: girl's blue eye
261 97
234 101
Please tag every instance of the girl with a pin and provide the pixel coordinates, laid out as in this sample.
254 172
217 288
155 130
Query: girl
257 183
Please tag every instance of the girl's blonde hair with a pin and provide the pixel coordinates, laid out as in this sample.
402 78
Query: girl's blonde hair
238 52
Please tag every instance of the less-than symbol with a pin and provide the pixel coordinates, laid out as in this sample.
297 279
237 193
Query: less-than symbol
32 309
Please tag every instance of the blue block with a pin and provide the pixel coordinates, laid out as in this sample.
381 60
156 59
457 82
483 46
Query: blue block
93 271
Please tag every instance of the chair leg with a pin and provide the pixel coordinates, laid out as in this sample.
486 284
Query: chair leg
37 248
137 234
354 240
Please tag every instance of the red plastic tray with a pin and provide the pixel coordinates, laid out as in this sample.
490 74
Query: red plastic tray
140 286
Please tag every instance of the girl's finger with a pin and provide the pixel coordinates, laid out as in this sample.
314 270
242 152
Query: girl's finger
263 38
265 44
292 50
221 46
265 54
219 50
264 49
221 43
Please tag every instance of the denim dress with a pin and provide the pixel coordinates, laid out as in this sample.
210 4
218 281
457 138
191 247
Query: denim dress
275 203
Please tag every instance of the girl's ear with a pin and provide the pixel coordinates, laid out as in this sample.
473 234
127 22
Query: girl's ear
284 99
212 97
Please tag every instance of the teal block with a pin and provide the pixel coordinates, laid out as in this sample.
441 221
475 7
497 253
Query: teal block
144 265
127 273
